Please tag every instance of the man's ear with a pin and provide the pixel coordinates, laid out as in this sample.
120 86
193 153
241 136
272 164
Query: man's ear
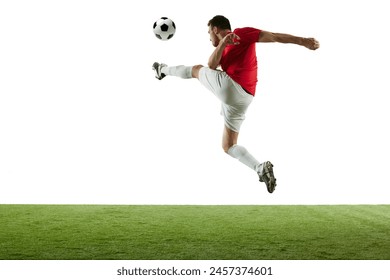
215 30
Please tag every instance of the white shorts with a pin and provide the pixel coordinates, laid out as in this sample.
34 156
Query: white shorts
235 100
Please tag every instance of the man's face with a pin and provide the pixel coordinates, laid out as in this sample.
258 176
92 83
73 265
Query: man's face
213 36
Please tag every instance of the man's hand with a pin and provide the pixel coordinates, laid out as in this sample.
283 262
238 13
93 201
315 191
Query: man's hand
231 39
311 43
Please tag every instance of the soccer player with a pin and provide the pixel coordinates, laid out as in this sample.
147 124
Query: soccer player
235 85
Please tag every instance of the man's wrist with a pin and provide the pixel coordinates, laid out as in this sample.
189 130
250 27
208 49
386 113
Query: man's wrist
222 44
302 41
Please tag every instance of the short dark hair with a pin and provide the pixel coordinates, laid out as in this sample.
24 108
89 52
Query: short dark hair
220 22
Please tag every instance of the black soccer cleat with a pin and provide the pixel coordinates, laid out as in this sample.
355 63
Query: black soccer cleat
157 69
267 176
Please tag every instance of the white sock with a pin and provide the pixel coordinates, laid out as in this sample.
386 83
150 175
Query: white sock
241 153
181 71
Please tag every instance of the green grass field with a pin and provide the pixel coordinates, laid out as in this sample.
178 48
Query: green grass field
103 232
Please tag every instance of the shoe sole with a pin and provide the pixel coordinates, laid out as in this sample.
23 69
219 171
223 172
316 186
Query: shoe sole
270 178
159 76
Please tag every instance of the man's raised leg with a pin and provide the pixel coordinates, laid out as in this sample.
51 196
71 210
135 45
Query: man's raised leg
195 71
186 72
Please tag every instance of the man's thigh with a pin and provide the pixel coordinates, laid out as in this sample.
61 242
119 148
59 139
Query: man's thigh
215 81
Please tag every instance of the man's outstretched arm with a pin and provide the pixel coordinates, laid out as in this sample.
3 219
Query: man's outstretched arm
269 37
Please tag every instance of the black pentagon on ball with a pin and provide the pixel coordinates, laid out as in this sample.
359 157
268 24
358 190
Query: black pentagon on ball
164 27
173 24
170 36
164 18
154 25
158 36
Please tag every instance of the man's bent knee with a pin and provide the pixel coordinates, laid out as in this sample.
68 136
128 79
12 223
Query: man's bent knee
227 144
229 139
195 71
226 147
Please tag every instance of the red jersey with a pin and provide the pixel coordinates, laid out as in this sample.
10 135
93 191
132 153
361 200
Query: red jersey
240 62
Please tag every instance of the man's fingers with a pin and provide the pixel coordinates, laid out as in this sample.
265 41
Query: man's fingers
233 39
314 44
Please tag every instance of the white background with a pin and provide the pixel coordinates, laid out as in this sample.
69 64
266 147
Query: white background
83 120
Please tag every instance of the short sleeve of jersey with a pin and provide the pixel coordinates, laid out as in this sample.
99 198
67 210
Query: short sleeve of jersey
248 35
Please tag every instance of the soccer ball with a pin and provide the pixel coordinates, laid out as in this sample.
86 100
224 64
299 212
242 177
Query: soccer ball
164 28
